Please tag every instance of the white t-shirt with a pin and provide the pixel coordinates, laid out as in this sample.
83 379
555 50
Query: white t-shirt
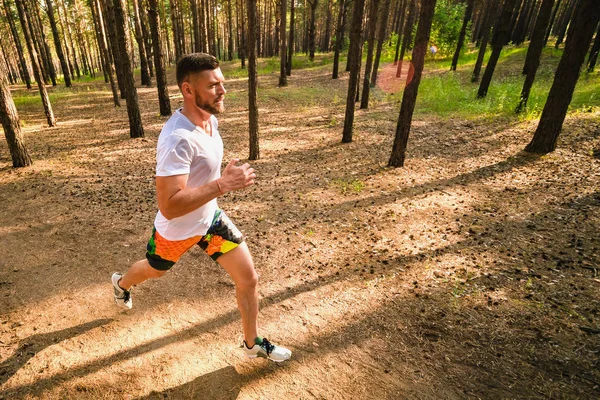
184 148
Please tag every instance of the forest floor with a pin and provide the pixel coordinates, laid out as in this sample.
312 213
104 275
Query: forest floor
472 272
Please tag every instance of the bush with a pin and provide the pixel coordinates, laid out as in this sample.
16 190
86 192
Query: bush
447 22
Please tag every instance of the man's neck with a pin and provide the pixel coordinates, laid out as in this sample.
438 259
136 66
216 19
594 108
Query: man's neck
197 116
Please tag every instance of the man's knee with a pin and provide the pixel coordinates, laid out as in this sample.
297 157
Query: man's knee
248 281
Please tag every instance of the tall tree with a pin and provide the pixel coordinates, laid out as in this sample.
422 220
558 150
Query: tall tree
462 34
106 63
338 38
113 40
139 38
133 110
409 96
407 35
311 29
564 22
146 35
532 60
283 45
290 51
551 23
381 37
242 26
498 40
18 45
36 67
400 29
585 19
58 44
159 59
37 31
364 102
490 16
354 56
593 57
252 81
12 128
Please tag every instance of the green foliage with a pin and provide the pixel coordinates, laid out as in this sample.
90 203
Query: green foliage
447 22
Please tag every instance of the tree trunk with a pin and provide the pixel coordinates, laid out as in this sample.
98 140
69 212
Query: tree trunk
500 37
71 55
107 65
18 45
57 44
490 17
311 30
581 30
139 38
110 27
230 28
12 128
38 27
461 36
364 102
327 35
565 23
410 93
288 65
283 45
159 59
133 110
551 23
532 60
400 29
593 57
34 64
407 35
354 57
338 38
242 48
252 82
36 41
380 40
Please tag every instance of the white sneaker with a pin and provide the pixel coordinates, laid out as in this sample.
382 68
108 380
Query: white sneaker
267 350
122 296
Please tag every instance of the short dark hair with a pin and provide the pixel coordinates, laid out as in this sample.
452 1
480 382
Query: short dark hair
194 62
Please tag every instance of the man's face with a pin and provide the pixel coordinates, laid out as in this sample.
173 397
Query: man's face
208 90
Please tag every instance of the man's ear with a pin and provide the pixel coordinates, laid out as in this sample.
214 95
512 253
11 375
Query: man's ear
186 89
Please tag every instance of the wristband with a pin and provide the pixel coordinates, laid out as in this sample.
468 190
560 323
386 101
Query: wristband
220 188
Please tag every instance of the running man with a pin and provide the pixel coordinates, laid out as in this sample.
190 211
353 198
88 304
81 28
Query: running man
188 181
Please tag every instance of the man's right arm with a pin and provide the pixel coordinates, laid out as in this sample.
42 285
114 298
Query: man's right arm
176 199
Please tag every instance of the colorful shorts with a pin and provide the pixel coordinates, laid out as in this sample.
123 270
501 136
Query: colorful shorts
222 237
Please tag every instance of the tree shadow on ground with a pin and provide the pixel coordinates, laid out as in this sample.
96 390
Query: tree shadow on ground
222 384
32 345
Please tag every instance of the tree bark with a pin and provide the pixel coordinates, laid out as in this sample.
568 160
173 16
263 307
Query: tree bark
338 39
551 23
159 59
532 60
593 57
242 49
380 40
110 27
57 44
364 102
139 38
327 35
461 36
400 29
12 128
579 37
565 23
230 28
18 45
36 68
290 51
252 82
311 29
354 57
498 41
407 35
283 45
133 110
108 68
409 96
38 29
490 16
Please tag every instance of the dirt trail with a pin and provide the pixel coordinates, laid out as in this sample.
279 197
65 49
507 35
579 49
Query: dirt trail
470 273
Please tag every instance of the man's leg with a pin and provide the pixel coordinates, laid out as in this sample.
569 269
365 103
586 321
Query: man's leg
138 273
239 265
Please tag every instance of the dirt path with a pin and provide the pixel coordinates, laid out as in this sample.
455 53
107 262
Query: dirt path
468 274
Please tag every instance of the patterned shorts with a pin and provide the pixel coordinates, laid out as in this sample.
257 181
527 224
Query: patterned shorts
222 237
